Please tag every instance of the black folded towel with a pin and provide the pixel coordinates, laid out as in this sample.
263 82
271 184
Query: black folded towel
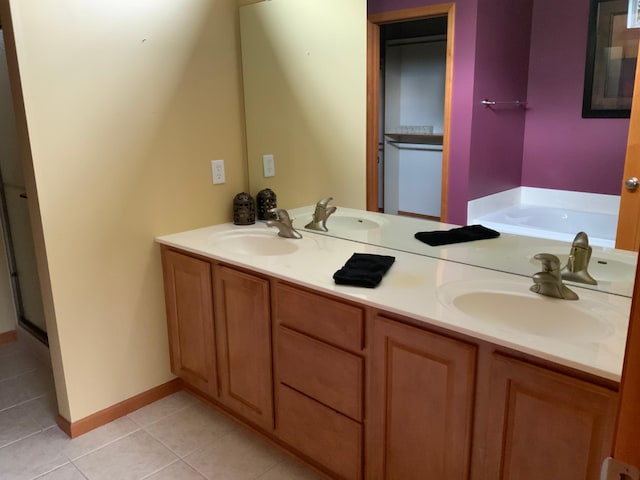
456 235
364 270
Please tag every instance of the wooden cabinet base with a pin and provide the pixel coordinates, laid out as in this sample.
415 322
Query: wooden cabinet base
329 438
546 425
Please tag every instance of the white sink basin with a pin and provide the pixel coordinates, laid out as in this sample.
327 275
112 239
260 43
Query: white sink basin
347 222
513 307
254 241
343 222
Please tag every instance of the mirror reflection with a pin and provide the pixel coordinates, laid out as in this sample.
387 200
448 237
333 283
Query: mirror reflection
305 87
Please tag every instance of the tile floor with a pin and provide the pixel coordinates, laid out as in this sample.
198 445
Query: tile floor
175 438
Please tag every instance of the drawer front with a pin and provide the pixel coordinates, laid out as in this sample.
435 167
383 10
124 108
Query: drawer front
332 321
325 373
325 436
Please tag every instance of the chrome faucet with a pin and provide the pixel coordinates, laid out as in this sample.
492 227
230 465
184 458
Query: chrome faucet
576 268
548 282
283 223
320 215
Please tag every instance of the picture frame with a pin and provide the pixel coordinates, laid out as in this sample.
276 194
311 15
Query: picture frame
612 51
633 15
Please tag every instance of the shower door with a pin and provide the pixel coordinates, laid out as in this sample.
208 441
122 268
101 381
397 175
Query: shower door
14 214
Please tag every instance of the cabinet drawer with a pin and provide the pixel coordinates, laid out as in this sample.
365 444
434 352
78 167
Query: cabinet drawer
330 320
328 374
322 434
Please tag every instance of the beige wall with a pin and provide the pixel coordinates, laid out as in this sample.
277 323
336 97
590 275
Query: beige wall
126 103
305 91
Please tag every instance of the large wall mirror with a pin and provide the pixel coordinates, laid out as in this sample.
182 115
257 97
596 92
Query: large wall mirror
305 80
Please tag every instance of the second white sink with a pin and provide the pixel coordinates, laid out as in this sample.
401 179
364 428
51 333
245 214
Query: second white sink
512 307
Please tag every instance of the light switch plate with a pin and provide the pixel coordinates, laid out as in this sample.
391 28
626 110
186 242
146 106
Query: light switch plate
217 170
613 469
268 165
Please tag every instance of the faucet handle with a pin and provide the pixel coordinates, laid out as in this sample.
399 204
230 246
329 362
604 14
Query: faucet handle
281 215
550 263
324 202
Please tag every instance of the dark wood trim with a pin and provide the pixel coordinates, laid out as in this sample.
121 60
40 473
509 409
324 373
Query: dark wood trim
373 106
8 337
109 414
418 215
625 444
373 83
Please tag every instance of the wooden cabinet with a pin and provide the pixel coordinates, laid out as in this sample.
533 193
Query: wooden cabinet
543 424
359 394
189 302
243 329
422 399
319 370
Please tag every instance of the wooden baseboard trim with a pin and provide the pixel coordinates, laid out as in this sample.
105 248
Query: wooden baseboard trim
8 337
109 414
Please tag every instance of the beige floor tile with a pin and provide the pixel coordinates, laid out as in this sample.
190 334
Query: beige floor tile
66 472
176 471
33 456
289 470
11 348
16 424
190 429
237 455
25 387
130 458
161 408
43 410
18 363
99 437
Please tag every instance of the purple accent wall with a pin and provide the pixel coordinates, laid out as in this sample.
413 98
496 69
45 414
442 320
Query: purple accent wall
501 72
561 149
558 148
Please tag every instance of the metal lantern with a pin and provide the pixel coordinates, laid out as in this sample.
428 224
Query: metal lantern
266 200
244 209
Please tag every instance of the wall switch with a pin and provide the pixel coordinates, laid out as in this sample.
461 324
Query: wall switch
268 165
217 169
613 469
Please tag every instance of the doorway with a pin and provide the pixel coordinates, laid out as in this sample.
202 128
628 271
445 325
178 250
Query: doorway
14 217
408 119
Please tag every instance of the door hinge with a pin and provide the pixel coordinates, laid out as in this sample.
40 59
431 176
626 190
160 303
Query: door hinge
613 469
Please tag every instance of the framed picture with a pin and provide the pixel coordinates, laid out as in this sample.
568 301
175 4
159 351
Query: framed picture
612 51
633 15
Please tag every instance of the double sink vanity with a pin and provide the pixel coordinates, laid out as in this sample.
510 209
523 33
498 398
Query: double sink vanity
450 369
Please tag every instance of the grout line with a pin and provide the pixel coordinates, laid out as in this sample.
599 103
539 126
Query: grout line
113 440
160 469
13 377
22 438
23 402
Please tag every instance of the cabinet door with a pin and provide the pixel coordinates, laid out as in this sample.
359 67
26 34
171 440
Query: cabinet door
188 297
421 400
546 425
243 327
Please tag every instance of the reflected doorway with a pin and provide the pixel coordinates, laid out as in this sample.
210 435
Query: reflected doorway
408 111
412 88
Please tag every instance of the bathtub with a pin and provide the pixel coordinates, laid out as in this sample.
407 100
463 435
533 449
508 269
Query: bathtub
556 223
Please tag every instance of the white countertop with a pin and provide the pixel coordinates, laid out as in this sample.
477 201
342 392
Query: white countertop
416 286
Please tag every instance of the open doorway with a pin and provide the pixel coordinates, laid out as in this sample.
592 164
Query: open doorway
412 83
409 65
14 217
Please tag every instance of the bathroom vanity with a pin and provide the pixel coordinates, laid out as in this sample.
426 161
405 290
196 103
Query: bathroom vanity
396 381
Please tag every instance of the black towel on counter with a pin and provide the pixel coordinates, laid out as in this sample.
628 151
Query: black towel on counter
364 270
456 235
